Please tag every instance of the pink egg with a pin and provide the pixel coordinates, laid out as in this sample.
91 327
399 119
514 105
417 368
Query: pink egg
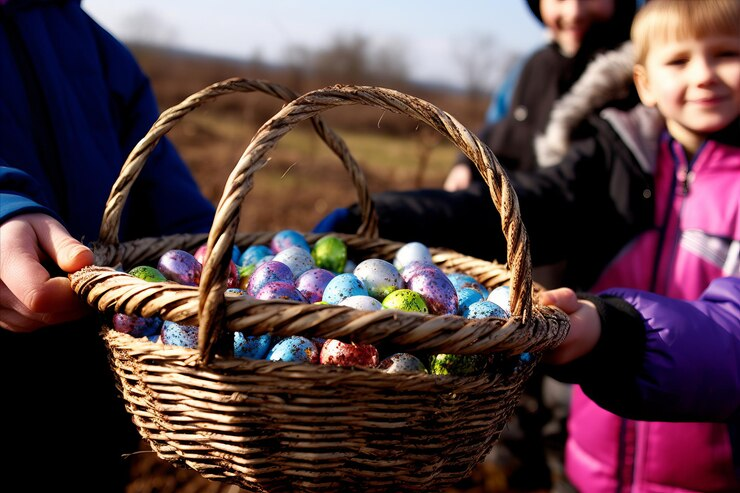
312 283
279 290
436 289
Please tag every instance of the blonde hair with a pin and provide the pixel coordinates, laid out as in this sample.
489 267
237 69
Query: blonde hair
667 20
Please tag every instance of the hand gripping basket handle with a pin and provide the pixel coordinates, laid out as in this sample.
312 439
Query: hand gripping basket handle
110 225
212 307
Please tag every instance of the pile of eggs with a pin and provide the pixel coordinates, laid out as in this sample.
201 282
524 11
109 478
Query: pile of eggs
289 268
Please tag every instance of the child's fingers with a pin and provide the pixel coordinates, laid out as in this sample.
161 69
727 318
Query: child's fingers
563 298
68 253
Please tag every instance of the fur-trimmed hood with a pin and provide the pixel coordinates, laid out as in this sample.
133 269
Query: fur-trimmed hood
606 79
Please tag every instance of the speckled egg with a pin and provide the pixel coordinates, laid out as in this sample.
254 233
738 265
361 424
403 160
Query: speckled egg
457 364
147 273
343 286
312 283
233 280
298 259
338 353
330 253
460 281
502 297
288 238
405 300
254 347
436 289
235 293
135 325
179 335
297 349
379 277
415 266
485 309
268 272
181 267
411 252
465 298
402 363
362 302
279 290
253 254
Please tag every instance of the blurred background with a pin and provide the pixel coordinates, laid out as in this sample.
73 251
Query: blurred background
453 55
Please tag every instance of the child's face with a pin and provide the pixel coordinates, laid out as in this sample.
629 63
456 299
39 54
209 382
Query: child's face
570 20
694 83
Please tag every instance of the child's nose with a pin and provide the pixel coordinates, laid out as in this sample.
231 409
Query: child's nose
702 70
574 9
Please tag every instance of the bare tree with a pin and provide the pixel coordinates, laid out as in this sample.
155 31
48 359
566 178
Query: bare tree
145 27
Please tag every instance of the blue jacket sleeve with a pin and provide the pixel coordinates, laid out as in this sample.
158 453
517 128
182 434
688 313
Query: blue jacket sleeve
664 359
19 194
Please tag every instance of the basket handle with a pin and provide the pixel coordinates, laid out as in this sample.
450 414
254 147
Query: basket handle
110 225
211 302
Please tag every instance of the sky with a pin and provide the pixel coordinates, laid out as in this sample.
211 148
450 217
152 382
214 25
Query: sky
431 35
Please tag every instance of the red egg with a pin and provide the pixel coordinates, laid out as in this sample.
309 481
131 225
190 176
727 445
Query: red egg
338 353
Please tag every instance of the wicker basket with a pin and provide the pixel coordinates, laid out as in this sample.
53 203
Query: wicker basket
277 426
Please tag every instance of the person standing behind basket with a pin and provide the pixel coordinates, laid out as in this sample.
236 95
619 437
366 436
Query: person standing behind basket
647 199
73 103
578 30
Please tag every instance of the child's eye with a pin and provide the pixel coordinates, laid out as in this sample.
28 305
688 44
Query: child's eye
677 61
729 54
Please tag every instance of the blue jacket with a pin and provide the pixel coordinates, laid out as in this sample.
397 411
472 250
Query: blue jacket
74 103
663 359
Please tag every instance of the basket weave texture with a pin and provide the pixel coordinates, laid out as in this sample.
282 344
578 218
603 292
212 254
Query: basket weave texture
276 426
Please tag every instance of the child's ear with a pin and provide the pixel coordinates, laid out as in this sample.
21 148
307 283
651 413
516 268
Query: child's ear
639 75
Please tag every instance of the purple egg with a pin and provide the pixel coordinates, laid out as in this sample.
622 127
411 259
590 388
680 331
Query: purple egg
279 290
136 326
415 266
288 238
312 283
181 267
297 349
436 289
180 335
268 272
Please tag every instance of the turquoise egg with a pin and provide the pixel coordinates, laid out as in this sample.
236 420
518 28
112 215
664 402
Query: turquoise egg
296 349
341 287
465 298
253 254
254 347
485 309
288 238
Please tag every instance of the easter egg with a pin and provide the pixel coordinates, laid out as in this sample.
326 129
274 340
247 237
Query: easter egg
233 280
362 302
179 335
296 349
501 296
330 253
235 254
268 272
402 363
405 300
181 267
414 267
338 353
436 289
254 347
298 259
279 290
343 286
312 283
147 273
457 364
460 281
253 254
288 238
485 309
411 252
136 326
379 277
235 293
465 298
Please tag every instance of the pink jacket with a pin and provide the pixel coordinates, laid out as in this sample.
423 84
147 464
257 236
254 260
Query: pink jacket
696 239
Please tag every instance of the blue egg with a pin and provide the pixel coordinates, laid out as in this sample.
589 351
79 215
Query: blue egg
296 349
288 238
466 297
253 254
235 254
460 280
485 309
501 296
343 286
137 326
180 335
254 347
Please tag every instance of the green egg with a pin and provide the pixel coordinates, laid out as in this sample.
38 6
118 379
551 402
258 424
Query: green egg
330 253
147 273
406 300
457 364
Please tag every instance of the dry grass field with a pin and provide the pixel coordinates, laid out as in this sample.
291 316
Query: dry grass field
302 182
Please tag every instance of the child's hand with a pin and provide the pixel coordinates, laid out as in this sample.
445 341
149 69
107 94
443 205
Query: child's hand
585 326
458 179
29 297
